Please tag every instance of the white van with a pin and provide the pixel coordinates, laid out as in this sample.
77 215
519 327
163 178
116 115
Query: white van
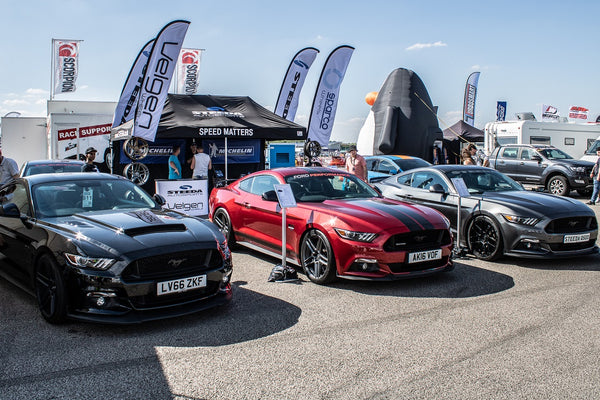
590 154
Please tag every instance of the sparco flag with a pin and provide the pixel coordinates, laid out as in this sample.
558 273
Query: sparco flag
188 66
578 112
157 78
550 113
325 102
125 110
287 102
66 64
500 111
470 96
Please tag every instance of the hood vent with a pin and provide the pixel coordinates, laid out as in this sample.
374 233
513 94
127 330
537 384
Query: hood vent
146 230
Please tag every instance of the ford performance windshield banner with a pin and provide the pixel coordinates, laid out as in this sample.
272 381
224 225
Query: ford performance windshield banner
325 102
157 79
238 151
287 102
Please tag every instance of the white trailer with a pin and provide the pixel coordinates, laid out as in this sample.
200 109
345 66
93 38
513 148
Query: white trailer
24 138
573 139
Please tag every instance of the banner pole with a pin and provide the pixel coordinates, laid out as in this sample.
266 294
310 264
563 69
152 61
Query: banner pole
52 61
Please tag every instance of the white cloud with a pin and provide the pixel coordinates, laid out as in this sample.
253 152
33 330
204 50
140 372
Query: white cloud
420 46
33 91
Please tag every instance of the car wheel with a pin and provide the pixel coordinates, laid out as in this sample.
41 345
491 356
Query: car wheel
50 290
558 185
222 220
316 257
484 238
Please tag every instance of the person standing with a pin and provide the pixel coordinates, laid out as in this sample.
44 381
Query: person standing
90 156
468 155
174 164
9 169
595 175
201 164
356 164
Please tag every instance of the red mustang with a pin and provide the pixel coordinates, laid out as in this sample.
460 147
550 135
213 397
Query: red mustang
340 226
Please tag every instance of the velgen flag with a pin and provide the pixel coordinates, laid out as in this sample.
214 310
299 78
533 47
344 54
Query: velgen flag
188 68
325 102
470 96
550 113
287 102
576 112
125 110
500 111
157 78
66 64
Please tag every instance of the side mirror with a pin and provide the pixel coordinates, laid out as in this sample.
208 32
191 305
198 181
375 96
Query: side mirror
269 196
161 201
437 188
10 210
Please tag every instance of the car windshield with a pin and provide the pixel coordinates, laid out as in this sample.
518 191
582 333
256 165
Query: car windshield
555 154
63 198
482 181
410 163
52 168
328 186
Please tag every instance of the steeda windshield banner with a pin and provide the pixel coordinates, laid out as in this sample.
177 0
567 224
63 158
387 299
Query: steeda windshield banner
157 78
325 102
287 102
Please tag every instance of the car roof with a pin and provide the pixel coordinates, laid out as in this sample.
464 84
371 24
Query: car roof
52 162
537 146
449 167
395 156
69 177
286 171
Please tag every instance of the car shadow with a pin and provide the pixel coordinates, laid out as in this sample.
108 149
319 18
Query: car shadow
464 281
581 263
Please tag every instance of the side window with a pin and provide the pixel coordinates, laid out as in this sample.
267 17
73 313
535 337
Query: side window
423 180
387 167
510 152
526 154
262 183
19 197
246 184
371 164
405 179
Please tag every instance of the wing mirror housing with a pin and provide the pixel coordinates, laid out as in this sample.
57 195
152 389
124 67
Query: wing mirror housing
269 195
437 188
159 199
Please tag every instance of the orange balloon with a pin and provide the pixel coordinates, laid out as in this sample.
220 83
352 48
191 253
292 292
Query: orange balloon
371 97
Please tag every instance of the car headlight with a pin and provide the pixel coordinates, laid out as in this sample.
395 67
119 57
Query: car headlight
577 169
89 262
515 219
356 236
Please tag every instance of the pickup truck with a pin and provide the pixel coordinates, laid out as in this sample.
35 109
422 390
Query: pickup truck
544 166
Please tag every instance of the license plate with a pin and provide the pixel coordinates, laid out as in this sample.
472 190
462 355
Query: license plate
576 238
424 256
181 285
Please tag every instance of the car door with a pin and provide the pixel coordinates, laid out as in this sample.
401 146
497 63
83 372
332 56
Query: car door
529 168
421 193
261 219
507 161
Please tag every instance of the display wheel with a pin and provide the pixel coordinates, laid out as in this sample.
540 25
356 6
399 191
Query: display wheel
136 148
137 173
312 149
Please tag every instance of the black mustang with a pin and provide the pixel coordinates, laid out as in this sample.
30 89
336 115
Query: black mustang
498 216
96 247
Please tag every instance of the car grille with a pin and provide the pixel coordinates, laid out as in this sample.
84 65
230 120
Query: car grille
419 240
406 267
172 265
572 225
152 300
572 246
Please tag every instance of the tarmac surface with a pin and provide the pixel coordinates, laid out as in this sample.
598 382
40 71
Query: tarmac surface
504 330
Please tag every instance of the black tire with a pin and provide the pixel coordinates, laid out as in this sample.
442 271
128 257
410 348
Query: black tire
316 257
584 192
558 185
222 220
50 290
484 238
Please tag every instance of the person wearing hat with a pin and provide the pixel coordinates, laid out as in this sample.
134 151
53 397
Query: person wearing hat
90 156
9 169
356 164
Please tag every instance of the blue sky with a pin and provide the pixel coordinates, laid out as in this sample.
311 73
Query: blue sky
529 53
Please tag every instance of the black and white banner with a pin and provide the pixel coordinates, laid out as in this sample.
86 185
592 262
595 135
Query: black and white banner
66 65
287 102
325 102
470 97
188 68
125 110
157 78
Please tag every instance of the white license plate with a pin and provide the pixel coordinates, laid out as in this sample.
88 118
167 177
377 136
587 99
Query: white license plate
181 285
576 238
424 256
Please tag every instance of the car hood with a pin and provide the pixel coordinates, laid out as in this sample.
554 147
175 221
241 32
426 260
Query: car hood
542 203
380 213
574 163
129 231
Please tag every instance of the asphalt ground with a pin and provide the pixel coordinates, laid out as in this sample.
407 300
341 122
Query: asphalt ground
510 329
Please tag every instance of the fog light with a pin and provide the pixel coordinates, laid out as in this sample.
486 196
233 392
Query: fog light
100 301
365 265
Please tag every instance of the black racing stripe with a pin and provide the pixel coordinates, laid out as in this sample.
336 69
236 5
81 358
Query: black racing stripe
412 219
